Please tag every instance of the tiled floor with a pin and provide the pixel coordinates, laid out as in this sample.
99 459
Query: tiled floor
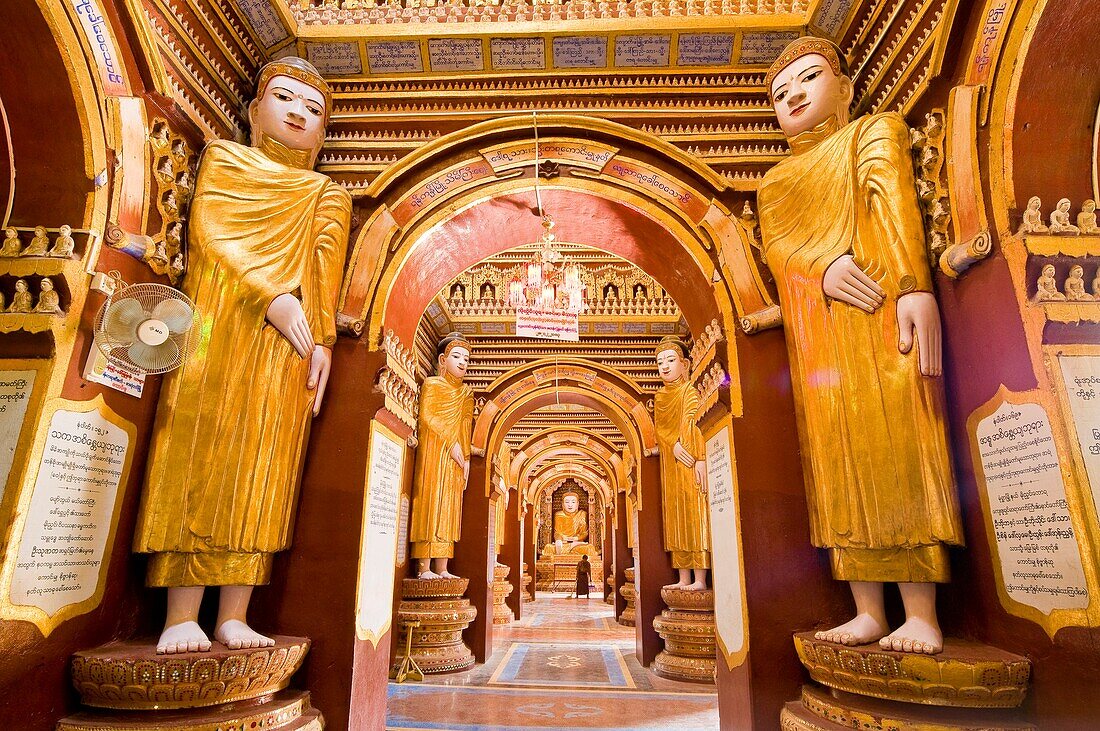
567 665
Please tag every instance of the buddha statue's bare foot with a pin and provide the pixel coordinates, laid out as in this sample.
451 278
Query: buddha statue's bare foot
916 635
448 575
428 575
859 631
677 585
236 635
183 637
696 586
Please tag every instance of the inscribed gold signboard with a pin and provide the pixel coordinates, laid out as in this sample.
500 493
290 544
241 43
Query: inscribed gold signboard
64 531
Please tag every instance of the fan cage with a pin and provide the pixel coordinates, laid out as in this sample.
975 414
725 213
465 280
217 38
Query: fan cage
148 296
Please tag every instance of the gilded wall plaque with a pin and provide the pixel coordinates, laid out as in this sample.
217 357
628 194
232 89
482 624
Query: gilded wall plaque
65 523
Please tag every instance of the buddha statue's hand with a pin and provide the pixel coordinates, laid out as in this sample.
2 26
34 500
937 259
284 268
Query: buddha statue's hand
845 282
919 316
286 315
683 456
320 364
700 470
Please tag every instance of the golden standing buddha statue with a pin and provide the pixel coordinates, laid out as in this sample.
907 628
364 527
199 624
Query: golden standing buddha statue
266 251
684 503
842 233
442 459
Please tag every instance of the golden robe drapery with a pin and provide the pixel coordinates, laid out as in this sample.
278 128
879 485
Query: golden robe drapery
684 505
446 419
570 527
876 461
231 426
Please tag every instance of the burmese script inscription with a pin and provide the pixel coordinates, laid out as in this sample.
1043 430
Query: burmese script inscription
71 511
378 545
456 54
15 394
704 49
725 544
642 50
394 57
518 53
1040 560
1082 379
335 58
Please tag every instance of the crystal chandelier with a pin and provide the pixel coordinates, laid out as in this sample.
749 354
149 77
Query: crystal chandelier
553 282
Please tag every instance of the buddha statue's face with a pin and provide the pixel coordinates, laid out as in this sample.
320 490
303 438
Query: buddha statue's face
47 285
671 365
1063 205
1048 271
289 111
1088 206
455 362
1034 203
1076 271
806 92
570 503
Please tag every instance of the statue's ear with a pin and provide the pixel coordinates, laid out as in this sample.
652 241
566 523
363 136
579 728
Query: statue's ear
847 90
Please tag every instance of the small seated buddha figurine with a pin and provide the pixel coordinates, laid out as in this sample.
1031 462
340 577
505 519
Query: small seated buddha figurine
63 245
1075 285
39 244
1059 220
1046 288
1086 219
22 301
1096 286
12 246
49 303
1033 218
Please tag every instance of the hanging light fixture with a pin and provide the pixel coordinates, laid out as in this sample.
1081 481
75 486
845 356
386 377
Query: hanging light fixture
552 281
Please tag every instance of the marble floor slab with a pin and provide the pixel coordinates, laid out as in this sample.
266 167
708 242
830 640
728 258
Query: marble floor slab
566 666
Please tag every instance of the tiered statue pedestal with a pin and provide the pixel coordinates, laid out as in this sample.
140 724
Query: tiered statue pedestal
544 573
502 613
443 612
525 585
609 596
687 627
966 687
134 689
627 590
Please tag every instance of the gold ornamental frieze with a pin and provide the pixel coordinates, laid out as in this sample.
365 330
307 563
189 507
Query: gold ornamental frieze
287 711
819 708
130 675
965 674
